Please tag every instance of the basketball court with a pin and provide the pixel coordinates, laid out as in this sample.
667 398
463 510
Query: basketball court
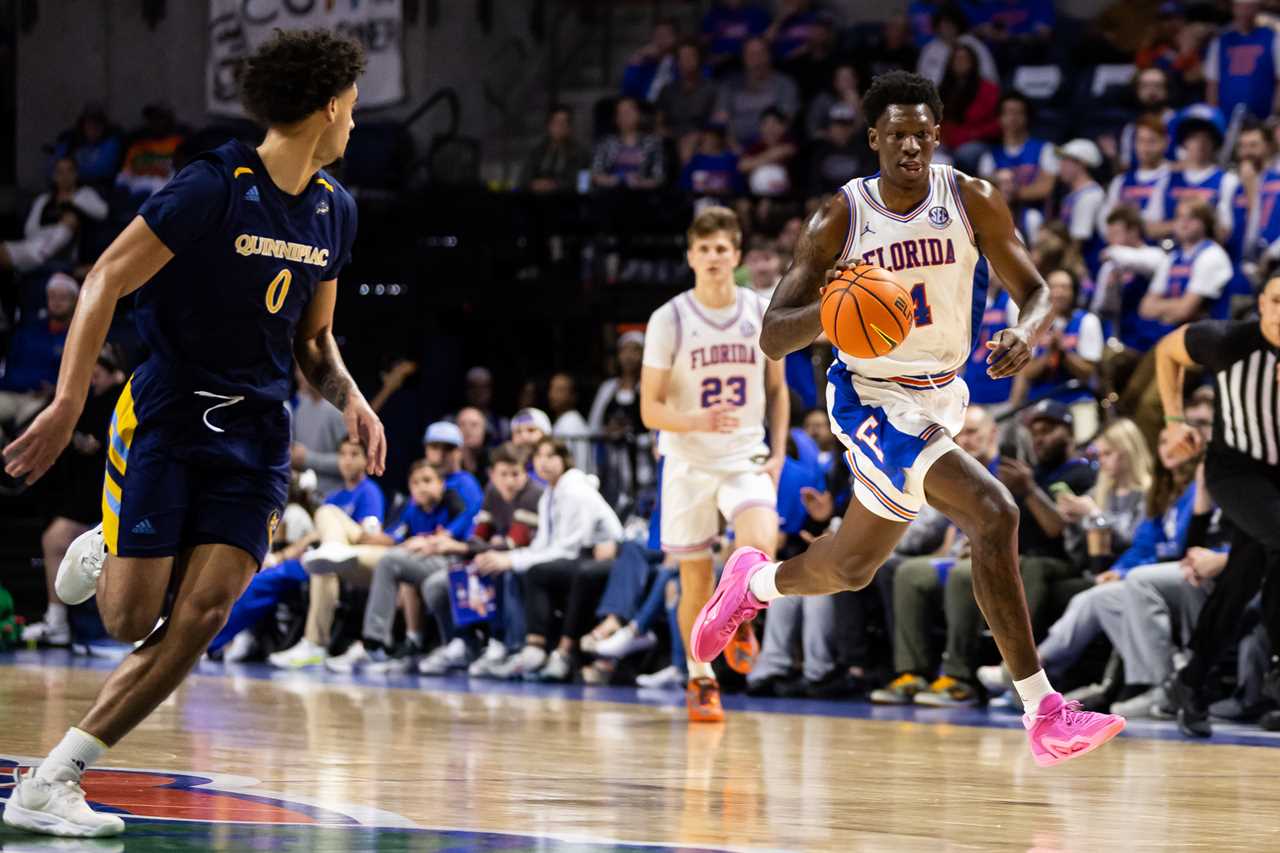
247 758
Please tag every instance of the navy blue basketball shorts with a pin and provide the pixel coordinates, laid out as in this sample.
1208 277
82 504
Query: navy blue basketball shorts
200 469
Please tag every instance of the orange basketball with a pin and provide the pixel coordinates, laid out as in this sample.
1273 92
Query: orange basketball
866 311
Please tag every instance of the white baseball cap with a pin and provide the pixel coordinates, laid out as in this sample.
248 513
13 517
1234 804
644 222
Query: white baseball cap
1083 151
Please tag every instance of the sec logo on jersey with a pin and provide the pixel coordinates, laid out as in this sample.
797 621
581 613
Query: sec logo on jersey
939 217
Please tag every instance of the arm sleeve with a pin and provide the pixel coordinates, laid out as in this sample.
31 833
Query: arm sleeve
1160 278
1226 193
1211 59
1084 216
471 500
370 506
32 225
189 207
88 202
1089 343
1210 273
1048 159
660 338
572 525
1217 344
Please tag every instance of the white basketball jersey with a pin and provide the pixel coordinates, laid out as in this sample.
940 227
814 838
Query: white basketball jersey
716 361
933 252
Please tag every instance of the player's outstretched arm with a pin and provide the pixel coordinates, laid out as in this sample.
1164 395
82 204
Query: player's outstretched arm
998 240
794 317
128 263
318 357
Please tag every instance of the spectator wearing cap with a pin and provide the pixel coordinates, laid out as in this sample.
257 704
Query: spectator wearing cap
840 155
528 427
94 144
727 25
1198 131
1042 552
554 163
745 96
318 431
1032 160
1082 204
35 353
712 170
480 396
1242 64
629 158
969 101
442 444
951 29
53 221
625 462
686 102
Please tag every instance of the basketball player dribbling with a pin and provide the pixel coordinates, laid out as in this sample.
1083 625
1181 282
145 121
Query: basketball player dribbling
936 229
235 262
709 388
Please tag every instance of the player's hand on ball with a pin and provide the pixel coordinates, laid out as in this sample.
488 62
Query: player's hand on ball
31 454
364 425
721 417
1010 352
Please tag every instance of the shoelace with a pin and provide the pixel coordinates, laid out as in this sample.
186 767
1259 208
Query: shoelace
1072 713
745 615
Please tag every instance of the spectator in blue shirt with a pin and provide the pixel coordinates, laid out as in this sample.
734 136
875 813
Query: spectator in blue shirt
1242 64
726 27
95 144
443 445
712 172
31 365
653 66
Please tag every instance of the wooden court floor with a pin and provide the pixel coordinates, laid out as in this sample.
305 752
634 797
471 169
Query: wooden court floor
252 761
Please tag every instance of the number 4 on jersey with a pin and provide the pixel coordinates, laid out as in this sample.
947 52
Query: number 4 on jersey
924 314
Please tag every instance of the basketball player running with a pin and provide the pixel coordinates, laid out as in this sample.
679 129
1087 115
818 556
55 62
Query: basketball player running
240 255
709 388
936 229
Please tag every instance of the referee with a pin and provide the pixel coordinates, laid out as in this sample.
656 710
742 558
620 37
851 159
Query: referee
1242 472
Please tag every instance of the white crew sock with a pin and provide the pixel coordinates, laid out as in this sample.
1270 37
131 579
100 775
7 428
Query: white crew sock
67 762
414 637
55 615
1031 690
698 670
764 583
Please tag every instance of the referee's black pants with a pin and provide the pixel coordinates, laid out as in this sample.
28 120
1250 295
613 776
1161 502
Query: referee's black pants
1249 494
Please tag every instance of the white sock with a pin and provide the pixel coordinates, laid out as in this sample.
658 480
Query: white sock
764 583
55 614
698 670
414 637
1031 690
67 762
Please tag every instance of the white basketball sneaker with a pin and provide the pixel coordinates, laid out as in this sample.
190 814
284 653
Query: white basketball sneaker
55 808
78 572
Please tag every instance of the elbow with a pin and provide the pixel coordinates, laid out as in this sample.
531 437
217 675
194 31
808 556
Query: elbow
770 344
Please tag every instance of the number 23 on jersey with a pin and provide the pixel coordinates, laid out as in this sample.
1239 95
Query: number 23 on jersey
714 391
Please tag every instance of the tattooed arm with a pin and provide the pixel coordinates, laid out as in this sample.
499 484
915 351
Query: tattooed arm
794 316
998 241
317 355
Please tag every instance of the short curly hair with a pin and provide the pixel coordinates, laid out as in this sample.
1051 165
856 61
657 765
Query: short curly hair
900 87
295 73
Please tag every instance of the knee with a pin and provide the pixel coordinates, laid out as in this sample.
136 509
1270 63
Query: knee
132 626
203 619
856 571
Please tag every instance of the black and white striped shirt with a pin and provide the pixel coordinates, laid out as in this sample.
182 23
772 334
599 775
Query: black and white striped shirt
1246 370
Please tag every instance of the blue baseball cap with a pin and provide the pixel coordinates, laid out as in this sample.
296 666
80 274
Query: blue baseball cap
443 432
1051 410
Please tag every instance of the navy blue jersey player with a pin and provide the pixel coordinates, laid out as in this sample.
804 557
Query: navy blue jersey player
236 264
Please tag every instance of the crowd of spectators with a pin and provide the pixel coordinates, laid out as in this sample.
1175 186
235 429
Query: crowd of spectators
521 543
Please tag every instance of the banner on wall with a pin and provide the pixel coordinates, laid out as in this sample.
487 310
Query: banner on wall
237 27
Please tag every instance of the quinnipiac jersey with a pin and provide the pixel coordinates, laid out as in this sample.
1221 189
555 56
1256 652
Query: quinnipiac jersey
220 317
933 252
717 361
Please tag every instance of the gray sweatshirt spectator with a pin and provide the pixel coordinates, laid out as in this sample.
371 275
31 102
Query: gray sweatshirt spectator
745 96
318 431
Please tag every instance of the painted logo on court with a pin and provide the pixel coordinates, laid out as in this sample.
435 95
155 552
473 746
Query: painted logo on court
205 797
939 217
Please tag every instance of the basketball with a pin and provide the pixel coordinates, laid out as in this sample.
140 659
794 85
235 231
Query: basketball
866 311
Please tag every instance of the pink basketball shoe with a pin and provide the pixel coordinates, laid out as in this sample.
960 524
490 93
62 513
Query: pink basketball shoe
730 605
1060 730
